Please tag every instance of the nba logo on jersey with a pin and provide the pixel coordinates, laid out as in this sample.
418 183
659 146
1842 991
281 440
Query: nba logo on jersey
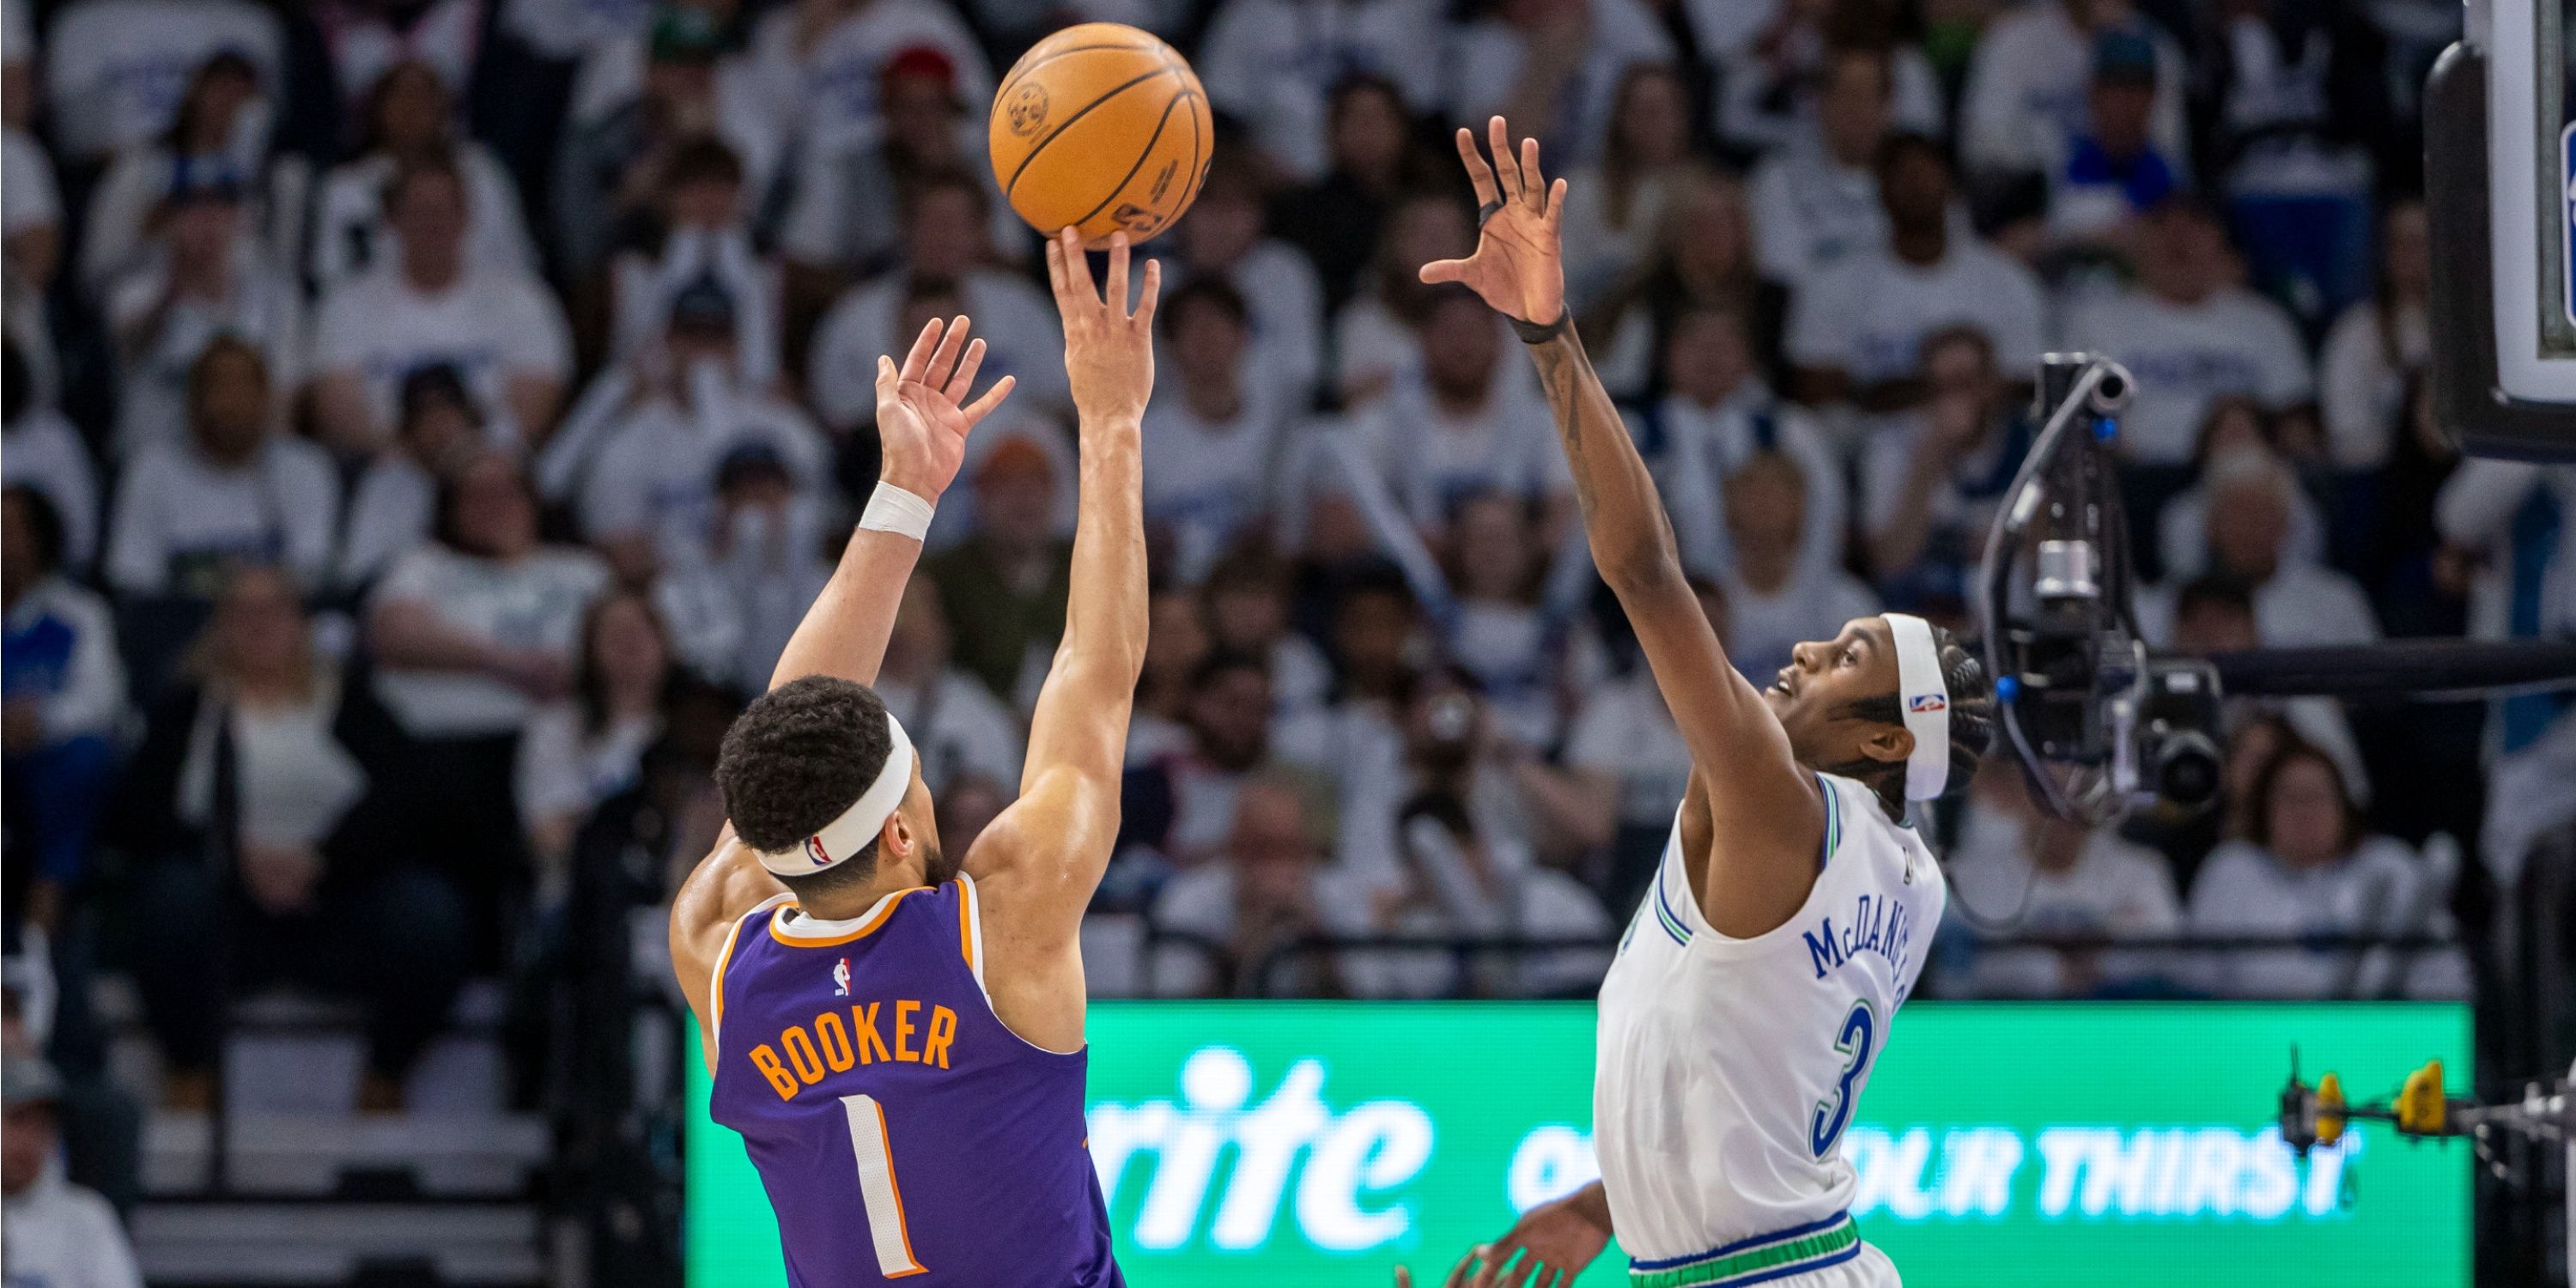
1927 702
841 978
814 850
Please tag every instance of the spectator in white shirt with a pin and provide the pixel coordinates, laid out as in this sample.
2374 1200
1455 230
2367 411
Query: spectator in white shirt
1266 887
41 451
732 612
822 61
1457 882
1377 336
1776 594
474 629
2071 881
705 239
115 69
1815 199
393 506
1930 482
2308 867
2189 335
196 278
580 752
1858 330
2234 424
947 247
2296 602
1218 440
2025 90
218 131
1273 65
1716 414
844 219
1224 240
1452 433
61 1235
1613 208
31 251
433 305
1554 64
409 113
958 726
1177 807
639 96
645 489
232 491
2379 344
1768 85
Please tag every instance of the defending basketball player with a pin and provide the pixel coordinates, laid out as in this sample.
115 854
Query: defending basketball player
1794 906
898 1034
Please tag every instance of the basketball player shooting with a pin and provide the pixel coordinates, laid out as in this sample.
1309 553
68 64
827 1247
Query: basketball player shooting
898 1035
1793 908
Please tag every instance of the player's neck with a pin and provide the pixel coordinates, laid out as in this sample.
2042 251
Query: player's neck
853 903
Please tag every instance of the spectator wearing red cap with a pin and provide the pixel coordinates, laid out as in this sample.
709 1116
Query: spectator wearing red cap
845 219
824 62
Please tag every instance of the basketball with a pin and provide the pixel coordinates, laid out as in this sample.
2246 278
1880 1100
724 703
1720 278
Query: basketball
1101 127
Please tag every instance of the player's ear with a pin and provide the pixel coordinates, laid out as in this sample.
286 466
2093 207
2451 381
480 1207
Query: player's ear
1887 744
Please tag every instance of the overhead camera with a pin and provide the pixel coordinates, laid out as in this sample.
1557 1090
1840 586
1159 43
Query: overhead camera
2101 725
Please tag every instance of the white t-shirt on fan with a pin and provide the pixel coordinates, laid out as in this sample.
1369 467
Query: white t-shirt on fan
538 602
181 520
2233 342
490 325
1868 314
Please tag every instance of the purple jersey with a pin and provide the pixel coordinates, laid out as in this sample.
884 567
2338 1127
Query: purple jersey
899 1128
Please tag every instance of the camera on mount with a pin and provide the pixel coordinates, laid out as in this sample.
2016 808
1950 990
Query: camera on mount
2100 725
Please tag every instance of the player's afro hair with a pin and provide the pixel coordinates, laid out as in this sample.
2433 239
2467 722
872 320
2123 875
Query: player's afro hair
797 757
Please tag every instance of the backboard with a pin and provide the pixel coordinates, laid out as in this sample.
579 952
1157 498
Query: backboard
2500 171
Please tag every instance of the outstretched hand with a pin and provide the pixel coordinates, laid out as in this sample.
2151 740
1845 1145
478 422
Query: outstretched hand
1519 265
1108 350
922 412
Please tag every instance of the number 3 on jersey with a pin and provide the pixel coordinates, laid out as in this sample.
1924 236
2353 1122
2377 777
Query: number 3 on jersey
1857 1040
877 1188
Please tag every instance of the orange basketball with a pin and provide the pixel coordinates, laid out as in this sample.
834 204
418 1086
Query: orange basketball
1102 127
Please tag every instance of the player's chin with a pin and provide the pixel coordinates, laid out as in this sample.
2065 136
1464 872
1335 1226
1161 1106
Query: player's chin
1780 700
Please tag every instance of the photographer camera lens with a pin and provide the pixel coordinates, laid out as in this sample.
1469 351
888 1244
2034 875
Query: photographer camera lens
2187 768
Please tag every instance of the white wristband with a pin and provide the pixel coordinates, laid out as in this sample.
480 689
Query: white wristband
891 509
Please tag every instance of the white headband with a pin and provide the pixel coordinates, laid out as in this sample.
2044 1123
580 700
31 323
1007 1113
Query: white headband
1925 700
859 824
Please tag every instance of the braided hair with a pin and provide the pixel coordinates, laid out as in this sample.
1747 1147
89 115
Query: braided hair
1972 725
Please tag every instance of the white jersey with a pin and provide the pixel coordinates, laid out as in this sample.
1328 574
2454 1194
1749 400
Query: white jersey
1728 1069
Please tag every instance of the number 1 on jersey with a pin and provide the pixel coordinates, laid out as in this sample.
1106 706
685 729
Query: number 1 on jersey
1856 1039
877 1188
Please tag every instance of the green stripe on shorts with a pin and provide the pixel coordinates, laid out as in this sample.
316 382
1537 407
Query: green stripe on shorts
1768 1261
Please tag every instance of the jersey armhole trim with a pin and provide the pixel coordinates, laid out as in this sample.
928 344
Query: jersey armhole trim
724 958
970 931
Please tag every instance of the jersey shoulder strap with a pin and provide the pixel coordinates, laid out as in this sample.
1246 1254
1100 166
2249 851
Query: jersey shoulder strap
724 961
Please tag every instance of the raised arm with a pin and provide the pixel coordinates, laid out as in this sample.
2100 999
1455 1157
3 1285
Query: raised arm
922 418
1756 793
1037 864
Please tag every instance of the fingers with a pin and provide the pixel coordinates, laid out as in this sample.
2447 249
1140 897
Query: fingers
1116 294
1077 270
1533 188
885 376
977 410
966 368
1459 1272
1478 173
943 360
1056 283
1152 294
1444 270
1507 170
1403 1278
1555 205
917 361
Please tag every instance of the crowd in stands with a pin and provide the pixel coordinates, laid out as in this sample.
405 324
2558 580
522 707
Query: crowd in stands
426 420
